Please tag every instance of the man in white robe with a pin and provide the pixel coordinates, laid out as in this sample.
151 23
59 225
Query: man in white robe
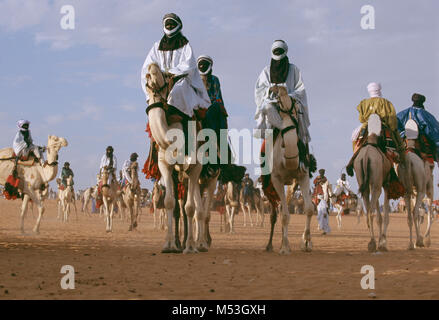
342 186
175 57
23 144
109 160
323 215
126 169
281 72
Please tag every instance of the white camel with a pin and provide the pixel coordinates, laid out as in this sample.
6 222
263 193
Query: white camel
34 180
246 207
66 197
231 200
110 194
89 193
158 90
131 196
285 171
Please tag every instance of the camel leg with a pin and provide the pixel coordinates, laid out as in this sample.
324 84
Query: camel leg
154 213
190 212
227 219
166 171
430 196
419 197
200 212
131 212
308 208
373 208
273 219
244 213
107 215
36 198
382 243
279 187
24 207
409 219
111 215
338 217
232 218
177 222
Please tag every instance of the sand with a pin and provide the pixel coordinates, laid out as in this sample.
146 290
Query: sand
129 265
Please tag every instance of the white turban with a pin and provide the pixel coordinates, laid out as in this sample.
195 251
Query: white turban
207 58
374 89
279 44
21 123
177 20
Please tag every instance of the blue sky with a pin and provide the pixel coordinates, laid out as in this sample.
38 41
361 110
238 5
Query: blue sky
84 84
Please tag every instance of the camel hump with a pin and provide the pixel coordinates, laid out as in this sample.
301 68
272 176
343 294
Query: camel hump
411 129
374 124
6 153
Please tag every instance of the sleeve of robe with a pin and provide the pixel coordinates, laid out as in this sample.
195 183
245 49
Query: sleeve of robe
150 58
18 144
261 94
299 94
125 173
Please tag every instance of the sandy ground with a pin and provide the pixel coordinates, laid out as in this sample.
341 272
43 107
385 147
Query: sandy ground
129 265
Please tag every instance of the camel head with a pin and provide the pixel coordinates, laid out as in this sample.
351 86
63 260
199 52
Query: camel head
55 143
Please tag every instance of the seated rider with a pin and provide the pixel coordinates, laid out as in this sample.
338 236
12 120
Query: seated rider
109 162
216 115
174 56
428 126
126 171
282 72
65 173
247 184
23 145
391 143
343 186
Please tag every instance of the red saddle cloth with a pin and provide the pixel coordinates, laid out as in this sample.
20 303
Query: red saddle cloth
11 188
61 187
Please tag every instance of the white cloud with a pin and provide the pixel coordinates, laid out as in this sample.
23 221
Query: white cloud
14 80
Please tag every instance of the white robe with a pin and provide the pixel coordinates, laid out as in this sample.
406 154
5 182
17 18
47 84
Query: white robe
21 149
189 92
322 215
342 186
105 161
126 171
265 100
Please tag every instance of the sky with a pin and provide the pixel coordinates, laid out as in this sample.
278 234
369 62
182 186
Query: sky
84 84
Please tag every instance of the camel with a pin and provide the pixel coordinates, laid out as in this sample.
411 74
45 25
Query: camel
89 193
158 196
158 89
66 199
34 179
372 170
286 170
231 200
417 178
110 195
246 205
294 200
131 196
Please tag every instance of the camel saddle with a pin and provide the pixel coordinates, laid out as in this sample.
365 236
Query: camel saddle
9 154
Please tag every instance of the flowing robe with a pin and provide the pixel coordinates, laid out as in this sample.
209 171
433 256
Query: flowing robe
189 92
265 100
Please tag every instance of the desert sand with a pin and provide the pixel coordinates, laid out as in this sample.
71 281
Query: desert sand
129 265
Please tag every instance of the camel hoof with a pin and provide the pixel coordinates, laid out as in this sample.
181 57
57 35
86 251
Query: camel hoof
202 249
190 250
372 246
411 246
306 246
285 251
382 248
36 231
269 248
419 243
135 224
427 242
